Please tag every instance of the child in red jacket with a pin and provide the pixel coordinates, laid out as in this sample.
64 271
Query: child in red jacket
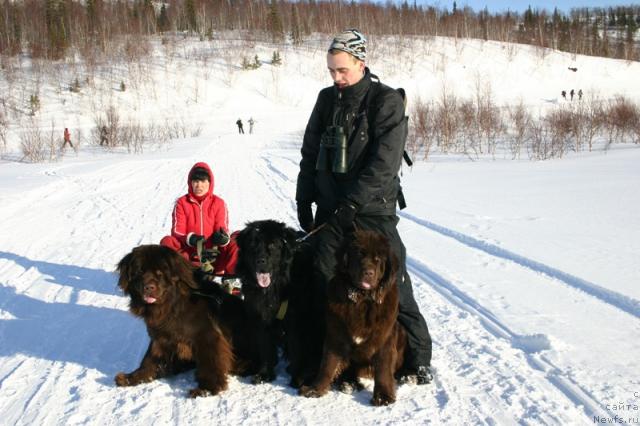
198 216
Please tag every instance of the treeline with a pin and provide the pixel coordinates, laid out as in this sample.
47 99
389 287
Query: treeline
53 29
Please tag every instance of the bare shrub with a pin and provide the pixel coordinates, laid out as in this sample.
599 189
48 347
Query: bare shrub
491 124
446 121
4 127
421 129
592 118
489 121
196 130
560 127
113 126
467 118
540 146
36 146
520 134
621 117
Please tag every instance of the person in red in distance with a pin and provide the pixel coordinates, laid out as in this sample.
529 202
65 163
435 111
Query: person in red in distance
200 215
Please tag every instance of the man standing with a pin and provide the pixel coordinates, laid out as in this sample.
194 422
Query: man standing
251 123
239 124
360 191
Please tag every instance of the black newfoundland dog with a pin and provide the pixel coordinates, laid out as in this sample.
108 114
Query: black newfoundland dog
275 271
190 324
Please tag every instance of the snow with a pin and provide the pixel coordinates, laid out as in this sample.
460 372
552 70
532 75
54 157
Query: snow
526 272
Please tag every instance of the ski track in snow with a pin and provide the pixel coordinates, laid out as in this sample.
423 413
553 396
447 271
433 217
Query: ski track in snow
620 301
531 345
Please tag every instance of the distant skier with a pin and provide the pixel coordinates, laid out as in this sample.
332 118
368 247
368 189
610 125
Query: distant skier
564 94
251 123
240 129
580 94
67 138
572 93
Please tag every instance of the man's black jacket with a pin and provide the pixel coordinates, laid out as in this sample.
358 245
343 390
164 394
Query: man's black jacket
374 155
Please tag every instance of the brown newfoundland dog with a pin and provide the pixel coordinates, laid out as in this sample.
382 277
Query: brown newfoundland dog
363 335
189 325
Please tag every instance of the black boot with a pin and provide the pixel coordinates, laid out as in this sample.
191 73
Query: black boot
418 376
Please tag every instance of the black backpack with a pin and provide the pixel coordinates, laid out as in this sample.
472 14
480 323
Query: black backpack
371 96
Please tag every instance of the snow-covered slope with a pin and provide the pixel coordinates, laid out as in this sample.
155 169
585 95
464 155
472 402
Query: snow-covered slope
526 272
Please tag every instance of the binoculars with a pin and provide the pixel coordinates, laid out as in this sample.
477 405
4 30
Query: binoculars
333 150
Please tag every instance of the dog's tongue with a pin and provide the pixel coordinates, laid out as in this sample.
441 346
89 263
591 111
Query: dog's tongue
149 299
264 279
365 285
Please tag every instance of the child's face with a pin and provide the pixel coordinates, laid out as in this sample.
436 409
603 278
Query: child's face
200 187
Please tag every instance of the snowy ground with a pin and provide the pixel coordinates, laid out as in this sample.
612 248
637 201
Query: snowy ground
526 272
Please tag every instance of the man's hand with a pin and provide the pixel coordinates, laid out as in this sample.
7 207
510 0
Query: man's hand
194 239
220 238
305 217
345 215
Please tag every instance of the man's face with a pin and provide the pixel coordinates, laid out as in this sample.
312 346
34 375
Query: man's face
345 70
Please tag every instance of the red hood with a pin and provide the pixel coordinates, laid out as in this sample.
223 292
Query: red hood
208 169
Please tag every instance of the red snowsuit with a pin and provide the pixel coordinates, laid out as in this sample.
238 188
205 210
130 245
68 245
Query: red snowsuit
201 217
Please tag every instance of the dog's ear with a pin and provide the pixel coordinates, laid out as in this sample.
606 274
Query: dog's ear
289 237
390 269
124 271
242 236
391 261
178 270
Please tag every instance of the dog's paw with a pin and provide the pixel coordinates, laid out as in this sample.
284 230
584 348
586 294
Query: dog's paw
122 379
264 377
296 382
350 387
310 392
380 399
195 393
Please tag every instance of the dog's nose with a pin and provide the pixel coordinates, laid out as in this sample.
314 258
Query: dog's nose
261 261
149 288
368 274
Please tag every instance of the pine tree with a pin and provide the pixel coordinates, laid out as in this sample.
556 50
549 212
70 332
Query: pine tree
276 59
163 19
56 31
296 34
190 14
275 23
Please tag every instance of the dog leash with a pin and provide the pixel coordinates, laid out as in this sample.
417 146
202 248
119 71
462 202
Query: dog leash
301 239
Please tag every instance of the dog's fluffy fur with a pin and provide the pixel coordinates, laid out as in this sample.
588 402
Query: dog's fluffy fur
363 333
274 268
186 330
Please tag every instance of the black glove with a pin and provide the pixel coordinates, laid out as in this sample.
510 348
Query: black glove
345 215
194 239
220 238
210 255
305 217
